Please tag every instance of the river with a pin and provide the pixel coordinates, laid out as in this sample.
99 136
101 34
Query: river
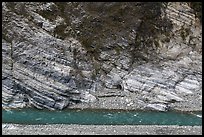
101 117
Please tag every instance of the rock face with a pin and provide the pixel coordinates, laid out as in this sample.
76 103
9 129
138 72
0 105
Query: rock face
101 55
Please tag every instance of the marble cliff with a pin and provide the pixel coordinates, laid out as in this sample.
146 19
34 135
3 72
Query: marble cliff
101 55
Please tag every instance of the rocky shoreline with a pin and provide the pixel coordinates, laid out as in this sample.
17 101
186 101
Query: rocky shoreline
60 129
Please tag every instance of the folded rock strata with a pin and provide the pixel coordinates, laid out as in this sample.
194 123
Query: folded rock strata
101 55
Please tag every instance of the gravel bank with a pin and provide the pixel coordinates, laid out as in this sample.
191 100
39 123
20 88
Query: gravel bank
132 102
61 129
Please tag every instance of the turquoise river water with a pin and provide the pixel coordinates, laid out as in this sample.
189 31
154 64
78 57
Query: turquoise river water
101 117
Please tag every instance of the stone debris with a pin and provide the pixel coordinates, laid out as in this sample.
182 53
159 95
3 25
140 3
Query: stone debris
63 129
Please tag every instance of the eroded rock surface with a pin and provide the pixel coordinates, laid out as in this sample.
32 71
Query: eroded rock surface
101 55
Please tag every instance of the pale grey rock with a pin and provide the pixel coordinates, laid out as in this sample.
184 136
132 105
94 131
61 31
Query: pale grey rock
87 97
113 80
159 107
188 85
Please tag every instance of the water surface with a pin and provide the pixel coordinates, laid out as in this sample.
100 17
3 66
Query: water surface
100 117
